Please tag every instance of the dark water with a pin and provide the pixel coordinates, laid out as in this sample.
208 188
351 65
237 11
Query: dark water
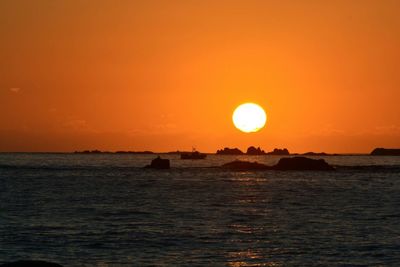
104 210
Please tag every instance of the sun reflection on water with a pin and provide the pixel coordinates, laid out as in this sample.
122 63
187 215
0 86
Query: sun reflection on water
250 258
247 223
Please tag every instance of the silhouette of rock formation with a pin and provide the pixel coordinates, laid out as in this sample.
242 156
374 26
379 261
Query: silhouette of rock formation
193 155
279 152
252 151
255 151
91 152
229 151
108 152
159 163
315 154
302 164
30 263
385 152
284 164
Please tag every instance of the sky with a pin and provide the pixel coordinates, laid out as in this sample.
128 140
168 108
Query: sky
167 75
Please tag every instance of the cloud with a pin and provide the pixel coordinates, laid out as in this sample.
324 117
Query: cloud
76 125
326 130
387 130
15 90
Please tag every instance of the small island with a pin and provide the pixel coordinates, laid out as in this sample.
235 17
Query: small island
159 163
193 155
315 154
284 164
386 152
96 151
255 151
229 151
252 151
279 152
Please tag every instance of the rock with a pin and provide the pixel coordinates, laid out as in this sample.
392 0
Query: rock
279 152
229 151
302 164
284 164
159 163
96 151
193 155
245 165
255 151
315 154
30 263
385 152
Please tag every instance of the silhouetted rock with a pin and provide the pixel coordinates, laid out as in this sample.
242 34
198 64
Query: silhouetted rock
255 151
315 154
385 152
245 165
159 163
177 152
193 155
30 263
279 152
284 164
229 151
302 164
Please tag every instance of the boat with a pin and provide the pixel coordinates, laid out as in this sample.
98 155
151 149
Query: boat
193 155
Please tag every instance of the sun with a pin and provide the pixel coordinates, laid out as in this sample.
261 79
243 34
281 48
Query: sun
249 117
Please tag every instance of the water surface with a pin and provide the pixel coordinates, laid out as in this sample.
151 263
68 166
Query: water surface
105 210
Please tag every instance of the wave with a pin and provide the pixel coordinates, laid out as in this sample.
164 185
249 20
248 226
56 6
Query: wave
369 168
66 168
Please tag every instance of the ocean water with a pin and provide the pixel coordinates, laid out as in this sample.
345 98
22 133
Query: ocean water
106 210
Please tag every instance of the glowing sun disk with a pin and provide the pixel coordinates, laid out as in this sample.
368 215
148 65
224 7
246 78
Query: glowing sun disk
249 117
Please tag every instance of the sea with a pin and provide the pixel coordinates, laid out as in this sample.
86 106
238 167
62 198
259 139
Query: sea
107 210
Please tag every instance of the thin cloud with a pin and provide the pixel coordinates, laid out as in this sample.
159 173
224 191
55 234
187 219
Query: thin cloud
15 90
76 125
388 129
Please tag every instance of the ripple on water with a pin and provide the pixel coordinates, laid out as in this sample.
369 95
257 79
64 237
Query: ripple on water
104 212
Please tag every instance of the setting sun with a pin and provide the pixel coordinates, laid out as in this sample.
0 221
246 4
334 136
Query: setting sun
235 123
249 117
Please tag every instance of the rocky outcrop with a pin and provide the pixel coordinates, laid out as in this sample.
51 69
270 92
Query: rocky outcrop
29 263
302 164
255 151
245 165
315 154
252 150
193 155
159 163
279 152
229 151
96 151
284 164
385 152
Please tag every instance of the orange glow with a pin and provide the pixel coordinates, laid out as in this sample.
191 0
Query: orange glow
166 75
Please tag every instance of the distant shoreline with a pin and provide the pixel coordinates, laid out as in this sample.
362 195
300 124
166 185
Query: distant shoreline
251 151
172 153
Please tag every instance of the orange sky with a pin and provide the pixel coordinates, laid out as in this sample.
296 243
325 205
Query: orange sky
167 75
